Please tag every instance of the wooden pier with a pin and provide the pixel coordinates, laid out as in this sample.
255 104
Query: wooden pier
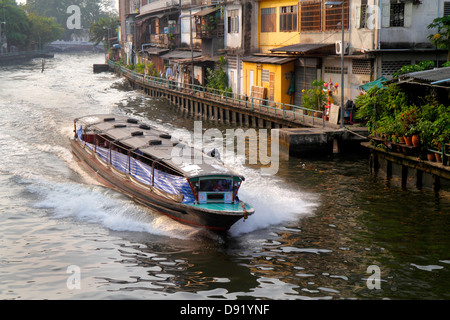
408 170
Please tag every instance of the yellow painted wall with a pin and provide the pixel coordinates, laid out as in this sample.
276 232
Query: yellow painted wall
281 84
270 40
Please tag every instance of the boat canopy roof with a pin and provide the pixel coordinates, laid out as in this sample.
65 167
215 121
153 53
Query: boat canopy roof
158 145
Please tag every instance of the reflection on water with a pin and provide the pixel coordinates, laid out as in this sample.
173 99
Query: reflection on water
319 223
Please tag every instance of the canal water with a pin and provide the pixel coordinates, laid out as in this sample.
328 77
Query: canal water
323 228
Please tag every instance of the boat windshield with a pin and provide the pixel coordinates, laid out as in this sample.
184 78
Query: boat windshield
216 185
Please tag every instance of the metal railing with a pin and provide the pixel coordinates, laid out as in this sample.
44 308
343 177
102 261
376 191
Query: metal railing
444 153
263 106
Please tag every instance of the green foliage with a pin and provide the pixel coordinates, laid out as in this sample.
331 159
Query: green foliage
102 29
172 41
441 39
152 70
91 11
378 103
44 30
218 79
140 68
315 97
28 30
18 25
389 114
423 65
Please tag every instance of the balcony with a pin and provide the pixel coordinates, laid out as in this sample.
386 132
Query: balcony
164 40
208 24
158 5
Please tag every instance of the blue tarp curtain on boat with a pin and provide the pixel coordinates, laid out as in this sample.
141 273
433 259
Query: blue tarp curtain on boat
143 173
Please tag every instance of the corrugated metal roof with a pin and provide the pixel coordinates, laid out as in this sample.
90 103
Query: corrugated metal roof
205 58
268 59
205 12
178 54
303 47
437 74
156 51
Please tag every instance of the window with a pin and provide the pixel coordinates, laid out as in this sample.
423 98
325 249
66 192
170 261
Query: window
446 8
216 185
333 16
232 61
336 70
362 66
233 21
363 14
265 75
268 19
397 15
389 67
288 18
311 15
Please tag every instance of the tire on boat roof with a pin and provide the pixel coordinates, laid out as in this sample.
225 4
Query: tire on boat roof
137 133
144 126
155 142
132 120
165 136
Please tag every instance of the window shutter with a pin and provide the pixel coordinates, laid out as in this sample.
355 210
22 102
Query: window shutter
408 14
385 15
446 8
358 17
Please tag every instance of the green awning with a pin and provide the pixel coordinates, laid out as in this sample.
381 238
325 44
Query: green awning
378 83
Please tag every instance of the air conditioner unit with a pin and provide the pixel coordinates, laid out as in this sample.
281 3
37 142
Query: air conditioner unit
339 47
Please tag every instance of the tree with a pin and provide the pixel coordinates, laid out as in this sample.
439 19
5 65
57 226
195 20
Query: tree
441 39
17 24
44 30
102 29
90 11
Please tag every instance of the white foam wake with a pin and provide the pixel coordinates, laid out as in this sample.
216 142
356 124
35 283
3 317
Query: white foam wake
101 206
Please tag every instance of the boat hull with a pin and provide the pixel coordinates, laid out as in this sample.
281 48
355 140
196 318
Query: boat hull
187 214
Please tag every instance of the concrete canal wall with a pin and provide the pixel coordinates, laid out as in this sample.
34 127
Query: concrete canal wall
296 142
24 55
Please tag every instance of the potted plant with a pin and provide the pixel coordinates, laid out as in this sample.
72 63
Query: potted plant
426 132
408 119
